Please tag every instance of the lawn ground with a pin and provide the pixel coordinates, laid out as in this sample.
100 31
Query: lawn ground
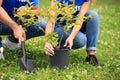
108 53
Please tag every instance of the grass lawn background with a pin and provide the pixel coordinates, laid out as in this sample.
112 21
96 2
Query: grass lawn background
108 53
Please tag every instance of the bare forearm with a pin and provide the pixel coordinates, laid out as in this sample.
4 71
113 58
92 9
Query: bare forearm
49 27
79 22
84 8
51 21
4 18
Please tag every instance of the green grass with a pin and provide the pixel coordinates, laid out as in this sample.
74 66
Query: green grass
45 3
108 53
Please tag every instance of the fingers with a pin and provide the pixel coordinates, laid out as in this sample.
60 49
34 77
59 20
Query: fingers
23 33
22 36
20 39
68 44
65 45
49 50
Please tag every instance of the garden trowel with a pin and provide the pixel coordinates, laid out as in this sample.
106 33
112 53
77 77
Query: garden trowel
25 64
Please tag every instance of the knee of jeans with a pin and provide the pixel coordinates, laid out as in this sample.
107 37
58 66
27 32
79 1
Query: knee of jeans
92 12
81 41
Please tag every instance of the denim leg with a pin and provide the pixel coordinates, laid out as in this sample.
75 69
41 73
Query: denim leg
33 31
5 30
78 42
36 30
92 29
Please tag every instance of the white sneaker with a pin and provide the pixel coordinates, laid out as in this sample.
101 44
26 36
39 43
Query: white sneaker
1 53
10 45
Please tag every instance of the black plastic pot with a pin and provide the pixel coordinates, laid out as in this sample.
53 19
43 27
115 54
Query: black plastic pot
60 58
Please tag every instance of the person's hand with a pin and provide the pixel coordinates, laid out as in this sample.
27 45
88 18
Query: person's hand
19 34
69 42
49 50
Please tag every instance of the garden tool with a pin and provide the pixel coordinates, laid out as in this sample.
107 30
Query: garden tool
25 64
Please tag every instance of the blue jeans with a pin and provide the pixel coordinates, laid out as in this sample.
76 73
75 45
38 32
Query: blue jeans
31 31
87 35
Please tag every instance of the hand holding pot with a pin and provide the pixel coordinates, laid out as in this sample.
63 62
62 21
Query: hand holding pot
49 50
69 42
